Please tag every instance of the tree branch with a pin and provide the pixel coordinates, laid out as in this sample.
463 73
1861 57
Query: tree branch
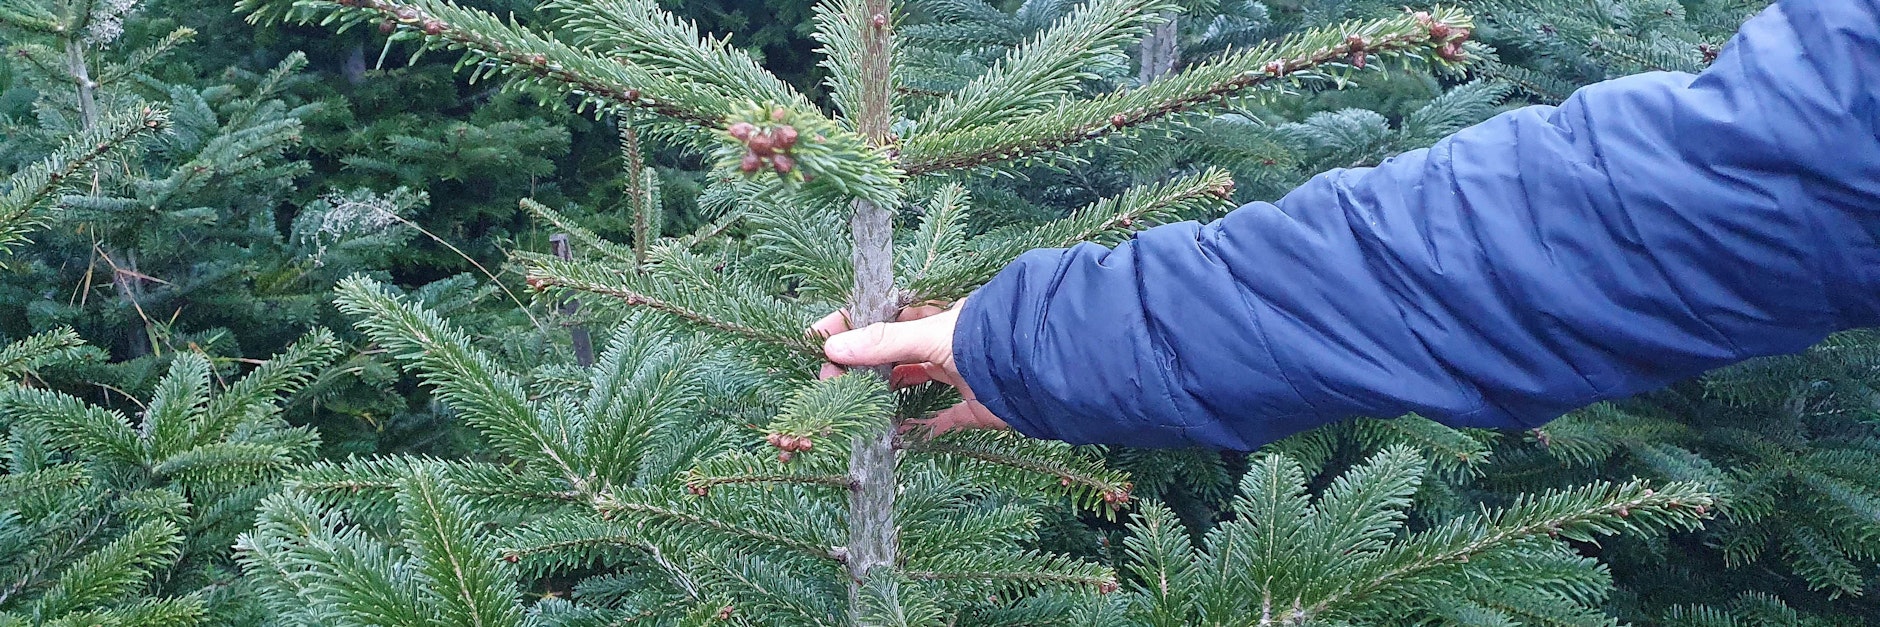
1081 121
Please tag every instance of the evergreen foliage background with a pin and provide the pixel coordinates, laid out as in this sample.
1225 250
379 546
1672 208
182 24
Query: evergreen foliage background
387 462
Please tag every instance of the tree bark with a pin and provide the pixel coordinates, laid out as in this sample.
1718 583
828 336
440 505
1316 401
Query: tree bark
874 540
81 75
636 192
583 343
1161 50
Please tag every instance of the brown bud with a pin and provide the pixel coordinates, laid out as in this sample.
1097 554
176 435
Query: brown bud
1423 19
388 26
775 439
1223 191
511 558
1701 510
803 444
633 94
724 613
749 165
433 27
1357 59
1624 511
1268 162
1439 32
786 136
1275 68
1355 42
778 114
782 163
1065 481
879 20
1452 52
784 457
761 143
1461 35
1118 120
536 282
742 130
406 14
1106 587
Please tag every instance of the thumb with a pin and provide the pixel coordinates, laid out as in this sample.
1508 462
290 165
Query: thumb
888 343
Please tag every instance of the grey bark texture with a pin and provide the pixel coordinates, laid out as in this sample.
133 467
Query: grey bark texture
1161 50
874 540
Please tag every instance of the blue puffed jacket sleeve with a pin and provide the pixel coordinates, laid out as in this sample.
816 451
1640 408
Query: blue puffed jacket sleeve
1647 229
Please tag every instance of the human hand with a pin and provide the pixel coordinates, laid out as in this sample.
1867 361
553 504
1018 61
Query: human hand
920 347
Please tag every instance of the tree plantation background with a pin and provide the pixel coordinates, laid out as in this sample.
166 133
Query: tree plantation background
411 312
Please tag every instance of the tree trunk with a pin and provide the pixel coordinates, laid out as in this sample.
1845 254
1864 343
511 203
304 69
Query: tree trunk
75 63
126 284
583 343
873 538
1161 50
636 193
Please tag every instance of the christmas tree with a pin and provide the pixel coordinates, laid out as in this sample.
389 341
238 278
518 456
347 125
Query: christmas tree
110 520
166 234
636 487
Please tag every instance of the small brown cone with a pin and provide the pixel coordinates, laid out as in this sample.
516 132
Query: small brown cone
761 143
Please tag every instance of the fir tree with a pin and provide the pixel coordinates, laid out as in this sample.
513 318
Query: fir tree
164 231
32 189
109 520
860 517
1549 49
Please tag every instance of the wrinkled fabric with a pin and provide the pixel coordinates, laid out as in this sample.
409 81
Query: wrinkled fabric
1648 229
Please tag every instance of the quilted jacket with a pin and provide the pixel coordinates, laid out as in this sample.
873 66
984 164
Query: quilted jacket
1645 230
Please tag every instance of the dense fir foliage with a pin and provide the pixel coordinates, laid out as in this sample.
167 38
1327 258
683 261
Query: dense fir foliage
570 276
110 520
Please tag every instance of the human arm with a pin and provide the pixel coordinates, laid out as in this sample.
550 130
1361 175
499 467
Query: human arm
1648 229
